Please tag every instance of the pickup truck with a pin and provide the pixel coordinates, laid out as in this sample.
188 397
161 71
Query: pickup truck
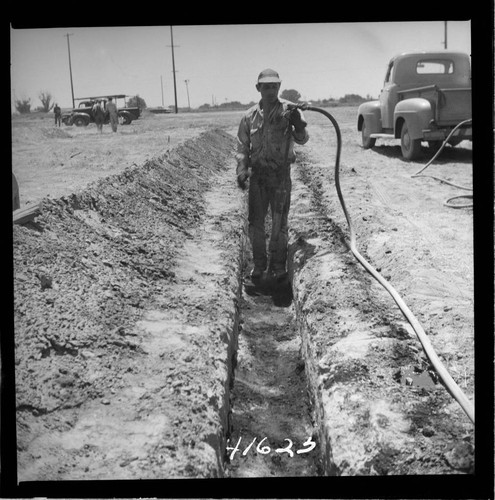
82 116
425 95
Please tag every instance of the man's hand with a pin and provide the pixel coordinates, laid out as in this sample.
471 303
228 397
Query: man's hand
295 120
242 180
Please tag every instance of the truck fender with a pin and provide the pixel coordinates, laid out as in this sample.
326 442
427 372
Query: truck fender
416 112
370 113
80 118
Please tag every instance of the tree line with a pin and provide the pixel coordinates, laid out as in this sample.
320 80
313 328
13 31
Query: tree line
23 106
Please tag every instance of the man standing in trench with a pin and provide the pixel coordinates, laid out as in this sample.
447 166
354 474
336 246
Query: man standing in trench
266 137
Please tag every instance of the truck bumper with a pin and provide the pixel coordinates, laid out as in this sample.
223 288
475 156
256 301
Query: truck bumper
441 134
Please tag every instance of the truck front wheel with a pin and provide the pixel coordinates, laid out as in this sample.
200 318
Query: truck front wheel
367 141
411 148
79 121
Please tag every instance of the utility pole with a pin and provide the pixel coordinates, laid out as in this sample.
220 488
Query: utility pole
173 67
70 70
187 90
445 34
161 81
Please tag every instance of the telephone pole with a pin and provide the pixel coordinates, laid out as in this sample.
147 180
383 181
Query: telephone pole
187 90
161 81
70 70
173 67
445 34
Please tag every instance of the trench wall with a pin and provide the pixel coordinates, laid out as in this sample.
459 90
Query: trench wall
329 299
129 290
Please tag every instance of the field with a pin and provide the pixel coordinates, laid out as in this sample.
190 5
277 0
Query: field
141 351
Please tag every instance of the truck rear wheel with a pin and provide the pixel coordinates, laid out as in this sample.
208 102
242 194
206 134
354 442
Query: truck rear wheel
367 141
125 119
411 148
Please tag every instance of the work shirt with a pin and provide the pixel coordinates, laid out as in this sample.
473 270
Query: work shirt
111 108
262 140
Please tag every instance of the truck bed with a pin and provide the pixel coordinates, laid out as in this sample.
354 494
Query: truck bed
451 105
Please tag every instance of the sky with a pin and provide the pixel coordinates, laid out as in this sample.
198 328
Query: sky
215 64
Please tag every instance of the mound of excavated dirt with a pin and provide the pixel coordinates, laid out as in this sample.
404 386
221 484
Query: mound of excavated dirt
381 407
32 132
121 362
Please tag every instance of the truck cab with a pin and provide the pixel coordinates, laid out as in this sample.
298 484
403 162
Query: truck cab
425 95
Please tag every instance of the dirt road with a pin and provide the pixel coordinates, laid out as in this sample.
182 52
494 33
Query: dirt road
114 309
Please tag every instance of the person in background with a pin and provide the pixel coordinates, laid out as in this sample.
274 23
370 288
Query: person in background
99 115
112 112
58 115
266 137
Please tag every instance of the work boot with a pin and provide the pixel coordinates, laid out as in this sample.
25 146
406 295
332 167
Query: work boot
256 273
279 275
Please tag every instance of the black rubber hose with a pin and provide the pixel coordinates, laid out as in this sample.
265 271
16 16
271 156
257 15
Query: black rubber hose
449 382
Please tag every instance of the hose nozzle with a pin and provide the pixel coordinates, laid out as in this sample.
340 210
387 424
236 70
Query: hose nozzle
301 105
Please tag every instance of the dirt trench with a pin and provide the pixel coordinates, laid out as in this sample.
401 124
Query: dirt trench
142 352
272 423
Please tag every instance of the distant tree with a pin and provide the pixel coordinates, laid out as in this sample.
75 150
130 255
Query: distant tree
23 106
329 102
351 99
291 95
46 101
231 105
136 102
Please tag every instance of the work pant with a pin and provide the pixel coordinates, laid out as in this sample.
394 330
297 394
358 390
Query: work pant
114 121
270 192
99 123
58 120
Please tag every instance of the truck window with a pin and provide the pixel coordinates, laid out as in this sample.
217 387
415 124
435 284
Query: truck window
437 67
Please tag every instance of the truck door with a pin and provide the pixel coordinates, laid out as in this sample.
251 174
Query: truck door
387 95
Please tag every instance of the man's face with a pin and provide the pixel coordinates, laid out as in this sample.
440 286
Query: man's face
268 91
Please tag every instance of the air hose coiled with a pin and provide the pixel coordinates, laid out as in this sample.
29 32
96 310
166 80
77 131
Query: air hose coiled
442 372
448 203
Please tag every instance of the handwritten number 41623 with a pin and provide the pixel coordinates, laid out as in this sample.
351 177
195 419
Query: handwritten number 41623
264 450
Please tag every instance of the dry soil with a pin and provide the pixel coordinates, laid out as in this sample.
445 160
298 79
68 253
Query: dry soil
139 228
